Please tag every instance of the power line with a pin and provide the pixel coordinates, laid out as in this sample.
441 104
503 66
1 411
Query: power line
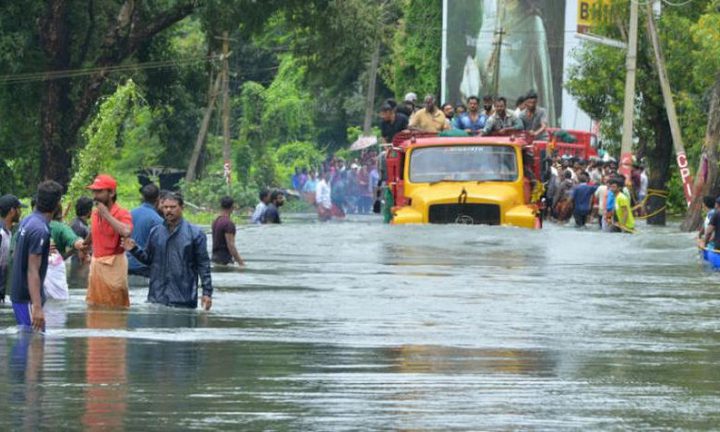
73 73
678 4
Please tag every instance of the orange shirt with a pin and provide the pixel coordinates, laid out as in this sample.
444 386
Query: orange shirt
105 241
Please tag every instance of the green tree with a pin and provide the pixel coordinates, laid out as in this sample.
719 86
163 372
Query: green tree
598 83
415 62
81 44
103 134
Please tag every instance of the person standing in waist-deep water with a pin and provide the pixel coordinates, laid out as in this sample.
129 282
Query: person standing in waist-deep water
63 243
108 279
223 235
272 212
582 198
261 206
80 226
10 212
30 260
177 254
323 201
144 219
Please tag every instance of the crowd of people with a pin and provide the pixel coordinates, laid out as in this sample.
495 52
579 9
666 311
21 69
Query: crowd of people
586 190
492 118
339 187
594 190
106 245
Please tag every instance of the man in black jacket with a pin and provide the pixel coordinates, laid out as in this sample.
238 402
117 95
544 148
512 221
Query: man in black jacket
176 252
272 212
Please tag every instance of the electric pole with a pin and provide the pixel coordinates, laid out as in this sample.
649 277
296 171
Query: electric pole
370 98
680 155
200 140
499 32
226 108
625 166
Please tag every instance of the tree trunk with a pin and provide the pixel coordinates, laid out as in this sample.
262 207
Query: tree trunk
55 155
659 161
706 177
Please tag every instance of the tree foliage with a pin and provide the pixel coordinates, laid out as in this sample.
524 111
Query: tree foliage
690 45
416 49
298 75
103 134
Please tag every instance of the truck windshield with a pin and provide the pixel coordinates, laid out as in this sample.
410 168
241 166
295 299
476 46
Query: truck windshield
463 163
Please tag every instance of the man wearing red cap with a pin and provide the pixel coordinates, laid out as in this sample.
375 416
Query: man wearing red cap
108 281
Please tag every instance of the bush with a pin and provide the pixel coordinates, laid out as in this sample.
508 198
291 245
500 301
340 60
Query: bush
205 194
296 155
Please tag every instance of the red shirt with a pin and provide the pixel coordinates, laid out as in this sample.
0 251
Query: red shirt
105 241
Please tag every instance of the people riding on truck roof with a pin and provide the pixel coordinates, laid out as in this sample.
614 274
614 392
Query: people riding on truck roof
502 122
474 120
534 118
430 118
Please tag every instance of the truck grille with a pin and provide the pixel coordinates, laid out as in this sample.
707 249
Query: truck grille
467 214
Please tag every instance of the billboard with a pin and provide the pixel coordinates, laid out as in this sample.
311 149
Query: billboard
507 48
594 12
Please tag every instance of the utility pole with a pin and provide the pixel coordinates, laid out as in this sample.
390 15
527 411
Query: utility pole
226 107
680 155
200 140
499 32
370 98
625 166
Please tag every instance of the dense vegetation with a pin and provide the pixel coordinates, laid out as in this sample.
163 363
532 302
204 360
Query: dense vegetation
131 81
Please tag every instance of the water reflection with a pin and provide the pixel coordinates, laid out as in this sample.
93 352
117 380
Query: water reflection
26 391
442 360
106 372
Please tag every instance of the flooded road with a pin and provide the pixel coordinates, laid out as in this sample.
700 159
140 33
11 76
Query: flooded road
362 326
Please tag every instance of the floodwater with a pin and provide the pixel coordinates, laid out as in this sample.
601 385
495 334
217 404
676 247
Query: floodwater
362 326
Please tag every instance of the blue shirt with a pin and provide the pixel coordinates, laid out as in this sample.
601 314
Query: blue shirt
145 218
582 196
464 122
33 239
610 206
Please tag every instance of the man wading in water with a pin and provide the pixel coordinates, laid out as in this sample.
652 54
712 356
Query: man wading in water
177 255
224 251
31 259
108 280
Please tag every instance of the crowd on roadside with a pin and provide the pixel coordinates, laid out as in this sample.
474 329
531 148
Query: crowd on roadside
338 187
106 245
593 191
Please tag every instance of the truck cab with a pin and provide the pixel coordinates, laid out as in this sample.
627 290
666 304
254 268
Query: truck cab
462 180
475 180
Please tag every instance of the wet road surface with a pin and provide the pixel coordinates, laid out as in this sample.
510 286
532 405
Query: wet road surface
362 326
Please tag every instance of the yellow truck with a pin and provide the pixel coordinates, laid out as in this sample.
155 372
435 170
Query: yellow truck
462 180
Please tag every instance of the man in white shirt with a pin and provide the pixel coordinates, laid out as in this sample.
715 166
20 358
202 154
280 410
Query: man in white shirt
322 198
260 208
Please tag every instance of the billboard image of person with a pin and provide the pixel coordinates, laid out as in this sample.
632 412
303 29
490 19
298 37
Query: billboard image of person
520 41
